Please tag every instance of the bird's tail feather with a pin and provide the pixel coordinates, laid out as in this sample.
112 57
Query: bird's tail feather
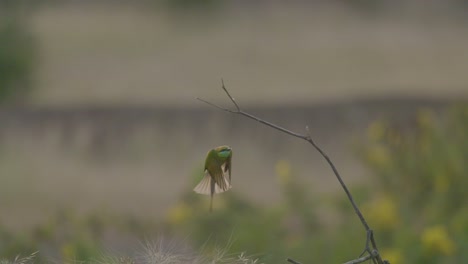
204 187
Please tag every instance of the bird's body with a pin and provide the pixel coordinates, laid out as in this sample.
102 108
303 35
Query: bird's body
217 177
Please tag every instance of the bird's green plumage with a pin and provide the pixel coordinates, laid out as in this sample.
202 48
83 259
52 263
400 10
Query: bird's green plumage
217 166
214 162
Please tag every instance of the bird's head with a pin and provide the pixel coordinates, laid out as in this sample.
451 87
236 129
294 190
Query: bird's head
224 151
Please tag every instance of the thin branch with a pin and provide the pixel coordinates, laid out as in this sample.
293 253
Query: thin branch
217 106
359 260
229 95
292 261
343 185
370 237
240 112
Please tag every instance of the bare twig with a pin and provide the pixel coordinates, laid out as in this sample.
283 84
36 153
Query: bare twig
371 246
292 261
359 260
374 255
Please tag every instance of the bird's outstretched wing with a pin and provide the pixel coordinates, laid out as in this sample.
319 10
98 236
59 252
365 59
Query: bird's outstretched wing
220 177
204 187
228 166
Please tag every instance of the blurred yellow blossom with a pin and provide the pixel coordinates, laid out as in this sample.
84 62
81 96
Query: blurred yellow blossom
376 131
179 213
436 239
393 255
379 156
383 212
283 172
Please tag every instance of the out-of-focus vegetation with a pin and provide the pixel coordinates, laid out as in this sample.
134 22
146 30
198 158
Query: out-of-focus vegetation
17 51
73 238
418 207
236 232
415 204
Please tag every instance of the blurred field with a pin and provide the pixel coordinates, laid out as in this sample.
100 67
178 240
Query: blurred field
134 72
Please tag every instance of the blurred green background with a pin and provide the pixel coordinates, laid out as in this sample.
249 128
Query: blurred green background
102 139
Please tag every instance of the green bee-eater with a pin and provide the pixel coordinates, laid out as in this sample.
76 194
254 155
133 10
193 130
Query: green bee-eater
217 166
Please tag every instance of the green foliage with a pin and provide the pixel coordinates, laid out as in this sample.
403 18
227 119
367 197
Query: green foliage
420 179
17 53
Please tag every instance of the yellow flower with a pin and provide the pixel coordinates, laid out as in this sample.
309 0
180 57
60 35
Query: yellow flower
393 255
376 131
283 171
383 212
435 239
179 213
